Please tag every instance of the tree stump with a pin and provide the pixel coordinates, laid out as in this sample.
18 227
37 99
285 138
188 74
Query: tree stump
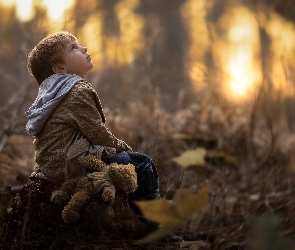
33 222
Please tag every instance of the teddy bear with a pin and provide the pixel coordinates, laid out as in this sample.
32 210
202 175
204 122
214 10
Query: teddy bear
102 182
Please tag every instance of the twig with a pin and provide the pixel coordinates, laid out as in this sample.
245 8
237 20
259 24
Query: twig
252 125
13 189
26 217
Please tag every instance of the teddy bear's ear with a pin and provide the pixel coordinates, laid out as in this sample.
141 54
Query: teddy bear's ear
123 177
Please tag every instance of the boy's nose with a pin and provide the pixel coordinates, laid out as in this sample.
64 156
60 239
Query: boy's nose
84 49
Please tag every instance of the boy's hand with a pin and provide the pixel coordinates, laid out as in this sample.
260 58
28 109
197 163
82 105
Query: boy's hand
123 146
129 148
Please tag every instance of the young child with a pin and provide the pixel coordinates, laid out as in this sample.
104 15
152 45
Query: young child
67 115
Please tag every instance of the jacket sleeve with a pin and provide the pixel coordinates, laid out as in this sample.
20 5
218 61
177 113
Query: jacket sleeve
87 116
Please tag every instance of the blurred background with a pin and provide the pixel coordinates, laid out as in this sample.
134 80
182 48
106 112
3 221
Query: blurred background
173 76
167 72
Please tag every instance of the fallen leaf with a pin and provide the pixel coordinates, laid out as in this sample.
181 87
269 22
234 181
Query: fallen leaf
160 211
170 216
162 231
191 158
186 202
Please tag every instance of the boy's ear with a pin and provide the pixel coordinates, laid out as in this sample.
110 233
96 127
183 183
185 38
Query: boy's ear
58 69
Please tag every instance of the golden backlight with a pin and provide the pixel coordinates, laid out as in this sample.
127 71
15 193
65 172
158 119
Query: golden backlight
238 52
56 8
25 8
235 54
7 2
242 53
283 45
240 72
110 51
240 62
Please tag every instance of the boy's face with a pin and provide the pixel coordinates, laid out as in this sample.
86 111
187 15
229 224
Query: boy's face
76 60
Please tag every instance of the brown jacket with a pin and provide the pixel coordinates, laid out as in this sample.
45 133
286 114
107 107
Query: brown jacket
78 115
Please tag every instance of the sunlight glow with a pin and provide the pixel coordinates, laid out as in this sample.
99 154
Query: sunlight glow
240 61
7 2
239 68
88 37
283 35
130 32
24 9
195 12
56 8
241 31
283 46
235 56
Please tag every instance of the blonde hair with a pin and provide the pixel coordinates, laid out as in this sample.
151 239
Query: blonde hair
47 53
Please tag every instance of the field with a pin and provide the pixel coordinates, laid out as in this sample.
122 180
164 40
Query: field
248 168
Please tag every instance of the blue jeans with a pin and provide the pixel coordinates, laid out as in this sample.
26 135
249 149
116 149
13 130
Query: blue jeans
147 175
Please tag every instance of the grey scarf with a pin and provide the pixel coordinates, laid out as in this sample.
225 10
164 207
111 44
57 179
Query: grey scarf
51 91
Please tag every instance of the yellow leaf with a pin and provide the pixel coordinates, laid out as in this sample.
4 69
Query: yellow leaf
171 216
160 211
190 158
187 203
162 231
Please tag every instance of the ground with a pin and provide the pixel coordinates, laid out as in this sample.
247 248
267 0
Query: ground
226 223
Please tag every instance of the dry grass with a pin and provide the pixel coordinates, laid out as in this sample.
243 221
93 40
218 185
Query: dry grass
263 182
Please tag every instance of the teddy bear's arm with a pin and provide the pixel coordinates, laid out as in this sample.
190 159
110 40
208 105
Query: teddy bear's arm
93 164
63 195
123 177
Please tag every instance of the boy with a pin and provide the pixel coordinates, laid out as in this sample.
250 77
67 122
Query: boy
67 110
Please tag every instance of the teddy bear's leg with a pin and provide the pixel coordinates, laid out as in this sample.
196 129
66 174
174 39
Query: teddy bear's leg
102 186
108 194
83 192
63 195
